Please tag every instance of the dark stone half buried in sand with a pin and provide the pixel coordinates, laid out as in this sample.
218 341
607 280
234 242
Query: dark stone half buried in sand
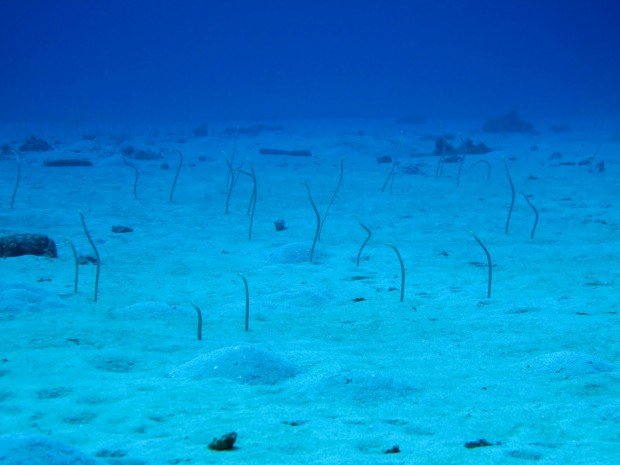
120 229
478 443
17 245
280 225
467 147
64 162
34 144
289 153
130 151
225 442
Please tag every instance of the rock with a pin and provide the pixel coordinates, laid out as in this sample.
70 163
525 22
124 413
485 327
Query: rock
64 162
17 245
467 147
225 442
285 152
119 229
34 144
280 225
294 422
87 260
477 443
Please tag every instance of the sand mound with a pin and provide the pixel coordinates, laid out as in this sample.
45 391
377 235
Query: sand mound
567 364
17 298
153 311
307 297
297 252
21 449
244 364
360 386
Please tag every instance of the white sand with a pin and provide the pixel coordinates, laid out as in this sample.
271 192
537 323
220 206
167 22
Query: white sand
321 378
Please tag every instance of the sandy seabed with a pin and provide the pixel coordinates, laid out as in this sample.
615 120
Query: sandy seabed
334 368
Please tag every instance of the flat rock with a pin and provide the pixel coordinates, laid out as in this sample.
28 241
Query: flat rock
67 162
285 152
17 245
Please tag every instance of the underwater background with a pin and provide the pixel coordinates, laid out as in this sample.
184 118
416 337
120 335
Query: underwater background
169 61
274 232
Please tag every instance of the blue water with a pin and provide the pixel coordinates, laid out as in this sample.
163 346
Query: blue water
168 61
